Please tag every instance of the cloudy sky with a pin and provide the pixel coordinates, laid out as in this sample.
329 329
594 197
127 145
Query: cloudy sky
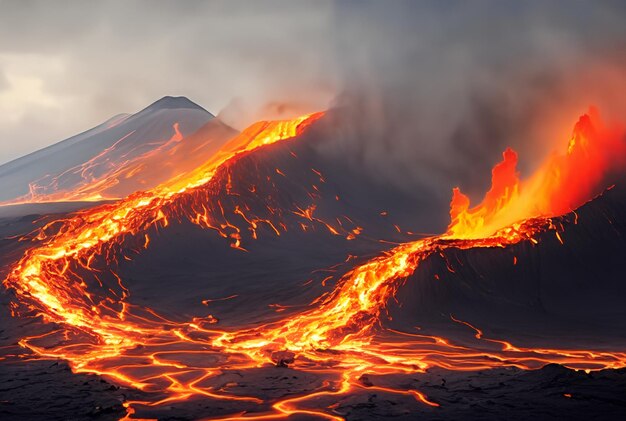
66 66
425 78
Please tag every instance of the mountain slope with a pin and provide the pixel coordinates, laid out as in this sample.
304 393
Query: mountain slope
115 158
569 284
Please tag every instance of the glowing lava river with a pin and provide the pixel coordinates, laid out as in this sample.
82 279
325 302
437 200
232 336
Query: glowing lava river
65 277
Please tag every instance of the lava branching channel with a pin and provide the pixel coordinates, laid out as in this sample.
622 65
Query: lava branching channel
341 334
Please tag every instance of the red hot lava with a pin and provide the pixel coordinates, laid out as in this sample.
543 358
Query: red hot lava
340 334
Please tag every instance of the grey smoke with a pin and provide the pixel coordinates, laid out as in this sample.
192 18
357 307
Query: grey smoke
437 90
430 93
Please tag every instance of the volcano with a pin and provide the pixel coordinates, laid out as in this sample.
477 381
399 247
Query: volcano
251 276
124 154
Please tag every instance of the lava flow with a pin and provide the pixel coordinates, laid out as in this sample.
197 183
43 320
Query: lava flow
341 336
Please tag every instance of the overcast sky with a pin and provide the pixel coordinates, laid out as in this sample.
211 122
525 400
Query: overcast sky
66 66
443 74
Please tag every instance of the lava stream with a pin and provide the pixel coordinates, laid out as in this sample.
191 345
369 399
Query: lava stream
341 334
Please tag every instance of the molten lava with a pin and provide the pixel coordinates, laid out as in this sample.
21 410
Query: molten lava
341 333
563 183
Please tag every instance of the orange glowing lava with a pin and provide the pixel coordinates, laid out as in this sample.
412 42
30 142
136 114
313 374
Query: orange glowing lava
564 182
341 334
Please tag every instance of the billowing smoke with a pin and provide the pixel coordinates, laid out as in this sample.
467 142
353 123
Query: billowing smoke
428 93
433 92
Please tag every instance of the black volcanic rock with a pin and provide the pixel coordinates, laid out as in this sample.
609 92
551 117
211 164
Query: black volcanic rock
529 292
551 393
47 390
183 258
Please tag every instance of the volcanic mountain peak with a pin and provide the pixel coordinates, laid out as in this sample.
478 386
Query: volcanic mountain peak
111 160
172 103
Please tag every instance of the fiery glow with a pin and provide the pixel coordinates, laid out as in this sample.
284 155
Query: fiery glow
563 183
341 334
41 272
